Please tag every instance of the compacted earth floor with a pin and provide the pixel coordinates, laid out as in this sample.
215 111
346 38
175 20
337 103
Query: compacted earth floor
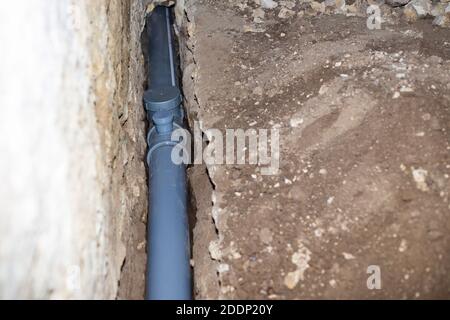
360 205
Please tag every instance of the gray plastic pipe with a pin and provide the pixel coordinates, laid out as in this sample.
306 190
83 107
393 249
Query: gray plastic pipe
161 61
168 262
163 93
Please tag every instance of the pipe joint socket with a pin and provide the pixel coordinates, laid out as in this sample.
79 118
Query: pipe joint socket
161 133
166 98
163 122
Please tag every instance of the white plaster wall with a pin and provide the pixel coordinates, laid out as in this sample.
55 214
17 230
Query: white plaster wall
58 238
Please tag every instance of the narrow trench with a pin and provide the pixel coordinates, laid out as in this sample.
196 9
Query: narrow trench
200 188
196 175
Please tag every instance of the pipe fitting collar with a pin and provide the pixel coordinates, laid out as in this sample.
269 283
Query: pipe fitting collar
163 121
165 98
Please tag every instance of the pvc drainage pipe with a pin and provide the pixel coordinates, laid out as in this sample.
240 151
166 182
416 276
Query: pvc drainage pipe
163 93
168 256
161 61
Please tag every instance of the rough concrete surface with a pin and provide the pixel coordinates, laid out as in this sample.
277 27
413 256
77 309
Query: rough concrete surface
73 191
365 156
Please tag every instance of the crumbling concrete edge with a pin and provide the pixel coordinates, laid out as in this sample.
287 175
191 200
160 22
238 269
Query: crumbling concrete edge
206 247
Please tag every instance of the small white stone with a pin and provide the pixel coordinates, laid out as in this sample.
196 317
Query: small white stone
318 232
406 89
141 245
420 177
285 13
296 122
330 200
348 256
403 246
223 267
258 15
268 4
323 89
301 259
214 250
422 7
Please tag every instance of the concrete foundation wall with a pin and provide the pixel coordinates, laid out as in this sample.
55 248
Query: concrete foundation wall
72 146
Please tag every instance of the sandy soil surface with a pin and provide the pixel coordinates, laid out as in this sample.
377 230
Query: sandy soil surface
364 120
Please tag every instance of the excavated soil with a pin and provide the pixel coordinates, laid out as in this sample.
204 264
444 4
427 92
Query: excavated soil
364 155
